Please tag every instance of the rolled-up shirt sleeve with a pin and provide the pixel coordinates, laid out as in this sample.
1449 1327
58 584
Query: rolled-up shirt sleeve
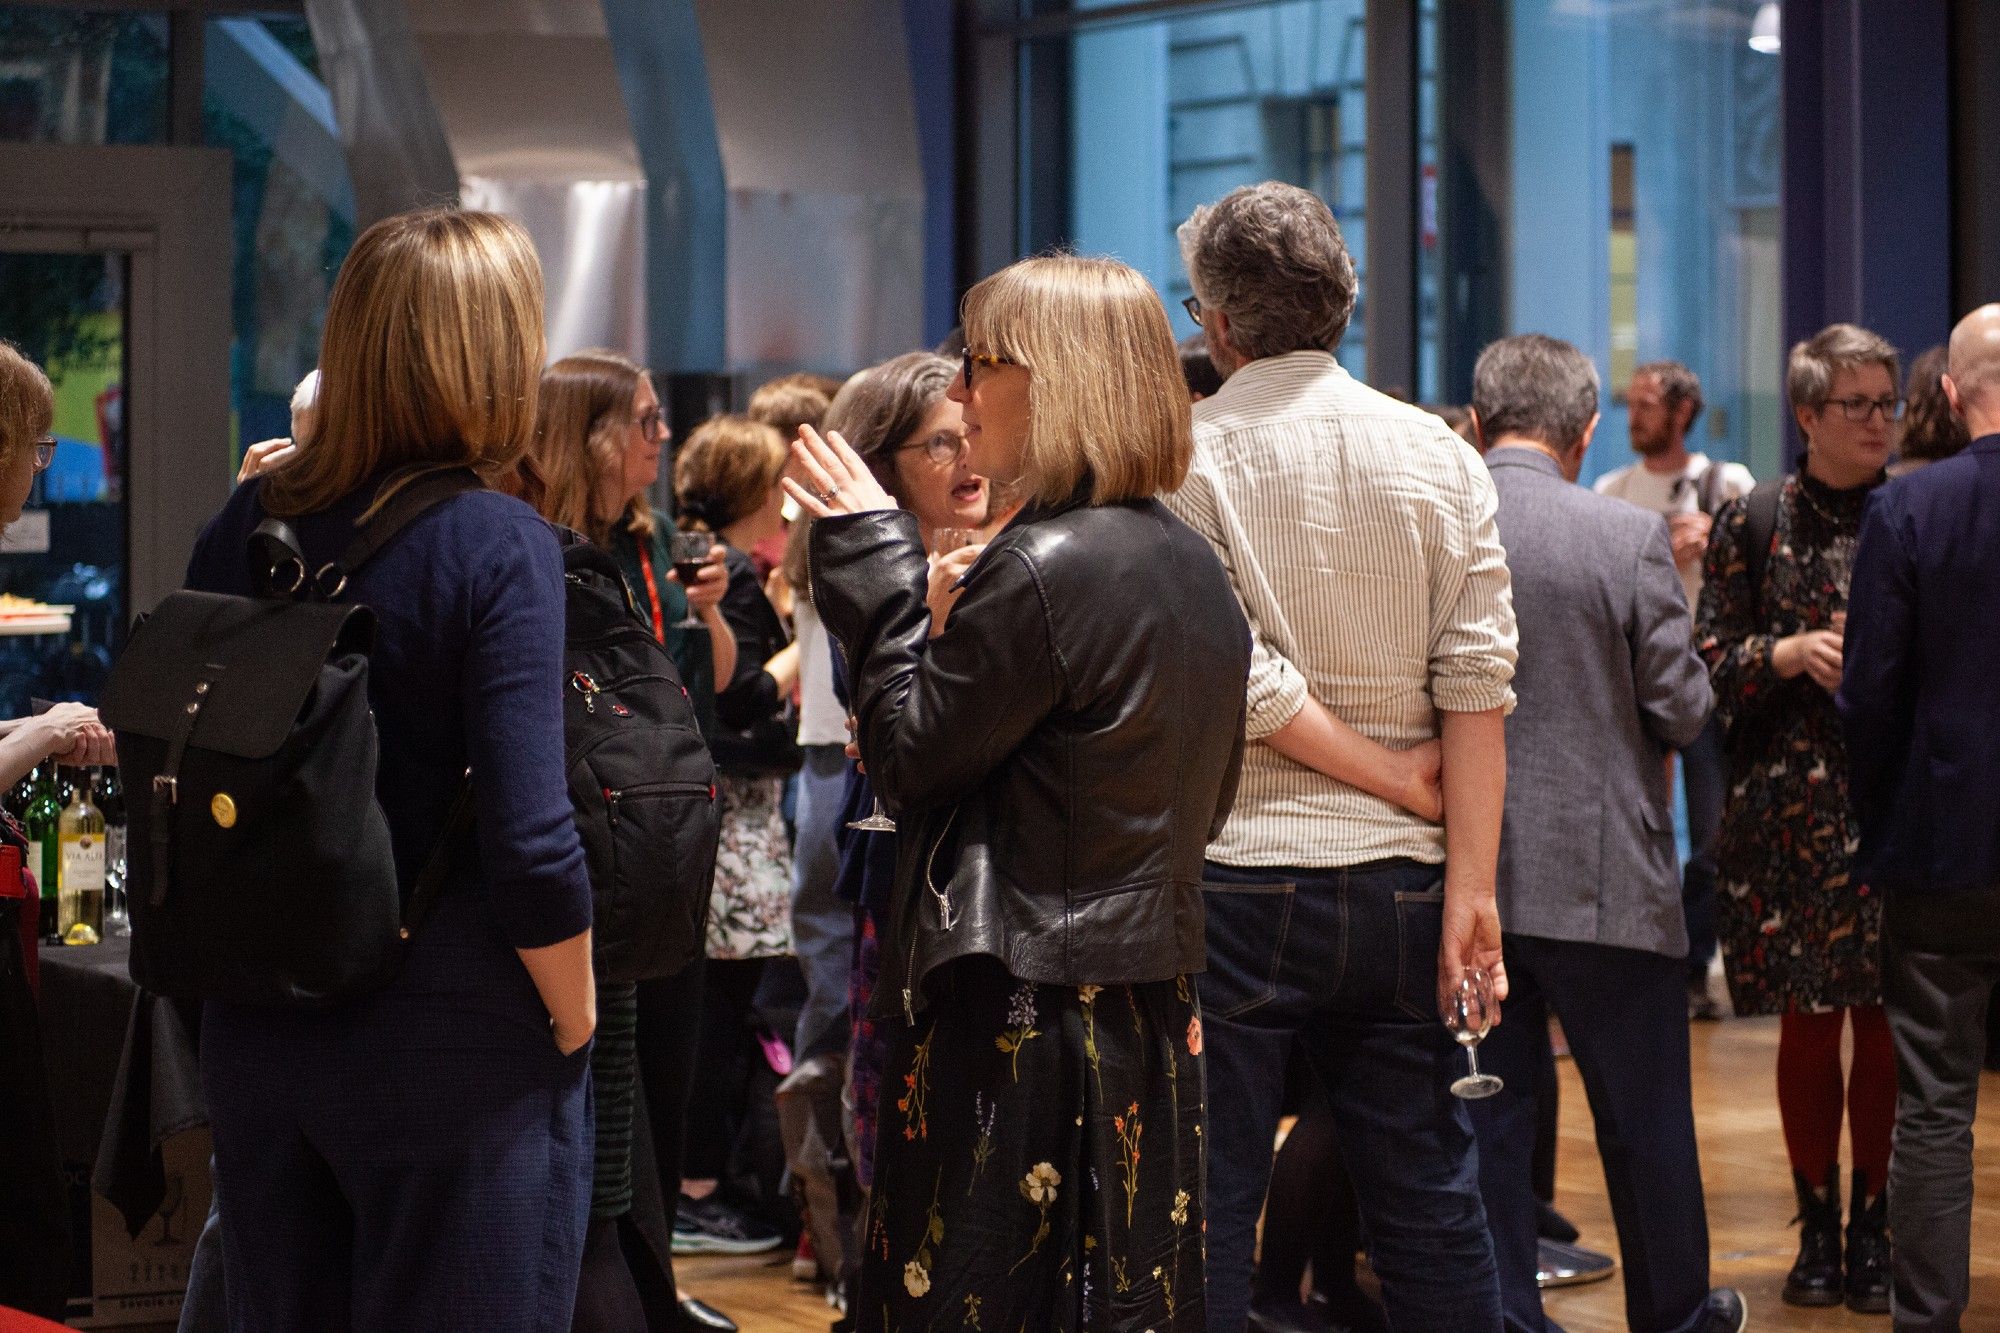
1277 689
1474 642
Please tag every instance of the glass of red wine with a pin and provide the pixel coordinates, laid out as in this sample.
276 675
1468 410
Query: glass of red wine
690 556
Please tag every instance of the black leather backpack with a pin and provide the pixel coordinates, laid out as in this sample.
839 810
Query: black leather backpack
640 778
260 866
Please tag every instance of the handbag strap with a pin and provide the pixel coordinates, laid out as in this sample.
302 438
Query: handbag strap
1760 530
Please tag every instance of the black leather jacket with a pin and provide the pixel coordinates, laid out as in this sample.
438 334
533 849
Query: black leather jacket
1059 758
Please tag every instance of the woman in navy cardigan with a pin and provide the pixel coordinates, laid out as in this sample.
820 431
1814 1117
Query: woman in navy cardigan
420 1158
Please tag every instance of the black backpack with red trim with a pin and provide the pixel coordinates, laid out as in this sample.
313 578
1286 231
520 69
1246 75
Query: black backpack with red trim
640 778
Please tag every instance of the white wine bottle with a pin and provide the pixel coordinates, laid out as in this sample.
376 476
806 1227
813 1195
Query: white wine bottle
80 892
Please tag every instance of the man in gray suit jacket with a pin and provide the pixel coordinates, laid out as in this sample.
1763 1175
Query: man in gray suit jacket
1589 885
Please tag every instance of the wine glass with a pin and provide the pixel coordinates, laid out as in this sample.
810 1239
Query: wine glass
877 819
946 540
1469 1014
689 551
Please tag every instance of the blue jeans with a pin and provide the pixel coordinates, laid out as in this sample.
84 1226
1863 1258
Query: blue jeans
822 924
203 1308
1344 962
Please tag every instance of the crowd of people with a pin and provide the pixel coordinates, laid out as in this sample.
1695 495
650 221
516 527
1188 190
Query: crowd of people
1122 746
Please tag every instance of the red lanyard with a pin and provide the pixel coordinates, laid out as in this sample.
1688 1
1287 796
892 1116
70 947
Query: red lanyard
653 594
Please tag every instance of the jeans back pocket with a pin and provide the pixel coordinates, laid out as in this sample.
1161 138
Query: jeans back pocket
1246 926
1419 933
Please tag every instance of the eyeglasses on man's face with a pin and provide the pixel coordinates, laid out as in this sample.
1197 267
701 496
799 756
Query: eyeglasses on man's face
45 452
1192 304
943 449
1859 409
973 358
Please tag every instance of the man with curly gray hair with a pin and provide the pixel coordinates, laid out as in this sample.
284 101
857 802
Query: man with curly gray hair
1359 535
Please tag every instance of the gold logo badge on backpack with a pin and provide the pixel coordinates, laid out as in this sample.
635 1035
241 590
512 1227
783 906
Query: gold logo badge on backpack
224 809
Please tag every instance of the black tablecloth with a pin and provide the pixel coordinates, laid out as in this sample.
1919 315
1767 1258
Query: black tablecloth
122 1072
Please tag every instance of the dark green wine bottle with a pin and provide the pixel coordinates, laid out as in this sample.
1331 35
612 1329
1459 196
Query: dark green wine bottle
45 847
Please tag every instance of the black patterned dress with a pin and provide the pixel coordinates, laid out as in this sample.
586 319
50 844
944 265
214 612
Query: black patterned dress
1038 1164
1799 934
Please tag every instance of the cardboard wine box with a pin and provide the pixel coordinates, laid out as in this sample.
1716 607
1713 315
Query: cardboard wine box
140 1280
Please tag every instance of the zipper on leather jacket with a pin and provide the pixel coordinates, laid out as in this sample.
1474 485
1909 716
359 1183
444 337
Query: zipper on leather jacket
945 918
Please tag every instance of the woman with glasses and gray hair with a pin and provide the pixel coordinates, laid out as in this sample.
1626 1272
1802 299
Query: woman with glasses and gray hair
1056 758
1801 936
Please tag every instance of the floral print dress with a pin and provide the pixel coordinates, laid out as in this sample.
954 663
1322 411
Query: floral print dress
750 914
1799 934
1039 1160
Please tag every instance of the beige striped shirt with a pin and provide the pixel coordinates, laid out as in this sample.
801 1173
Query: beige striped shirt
1358 532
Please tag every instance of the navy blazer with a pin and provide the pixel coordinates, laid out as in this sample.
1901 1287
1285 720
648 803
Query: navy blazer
1918 693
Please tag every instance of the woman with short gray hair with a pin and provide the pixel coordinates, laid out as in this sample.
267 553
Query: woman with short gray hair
1801 937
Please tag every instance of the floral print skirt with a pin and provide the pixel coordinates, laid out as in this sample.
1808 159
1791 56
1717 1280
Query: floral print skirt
750 913
1039 1160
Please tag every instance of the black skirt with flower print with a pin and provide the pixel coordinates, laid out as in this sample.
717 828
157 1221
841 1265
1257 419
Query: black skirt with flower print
1038 1161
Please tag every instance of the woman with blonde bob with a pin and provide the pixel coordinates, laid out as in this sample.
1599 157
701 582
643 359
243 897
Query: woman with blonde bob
420 1157
1056 758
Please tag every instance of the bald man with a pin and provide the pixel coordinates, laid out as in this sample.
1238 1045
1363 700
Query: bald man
1923 738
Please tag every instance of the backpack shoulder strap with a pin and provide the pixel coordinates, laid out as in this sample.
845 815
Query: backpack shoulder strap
417 496
1760 529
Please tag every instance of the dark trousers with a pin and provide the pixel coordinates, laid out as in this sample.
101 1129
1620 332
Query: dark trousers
1942 967
1704 779
1344 964
669 1044
728 1045
419 1159
1625 1014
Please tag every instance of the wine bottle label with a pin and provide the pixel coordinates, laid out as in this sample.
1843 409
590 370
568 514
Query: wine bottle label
83 864
35 869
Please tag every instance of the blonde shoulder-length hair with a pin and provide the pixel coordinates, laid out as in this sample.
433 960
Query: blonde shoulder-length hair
431 358
580 424
1106 399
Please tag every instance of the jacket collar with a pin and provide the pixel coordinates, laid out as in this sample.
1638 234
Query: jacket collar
1985 444
1036 510
1517 455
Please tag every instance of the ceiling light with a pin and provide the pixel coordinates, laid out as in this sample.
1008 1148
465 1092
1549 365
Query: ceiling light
1764 29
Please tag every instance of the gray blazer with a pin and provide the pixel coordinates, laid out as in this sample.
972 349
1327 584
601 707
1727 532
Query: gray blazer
1608 684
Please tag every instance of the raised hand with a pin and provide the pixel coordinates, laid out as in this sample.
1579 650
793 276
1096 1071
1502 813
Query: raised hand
838 482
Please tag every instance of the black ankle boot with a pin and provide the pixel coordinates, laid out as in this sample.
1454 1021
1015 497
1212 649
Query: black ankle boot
1815 1276
1867 1251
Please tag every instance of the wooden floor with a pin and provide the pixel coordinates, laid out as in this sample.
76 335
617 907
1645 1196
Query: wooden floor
1743 1166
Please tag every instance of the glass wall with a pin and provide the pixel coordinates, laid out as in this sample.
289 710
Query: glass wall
91 77
263 100
1607 173
1642 217
1128 126
82 77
